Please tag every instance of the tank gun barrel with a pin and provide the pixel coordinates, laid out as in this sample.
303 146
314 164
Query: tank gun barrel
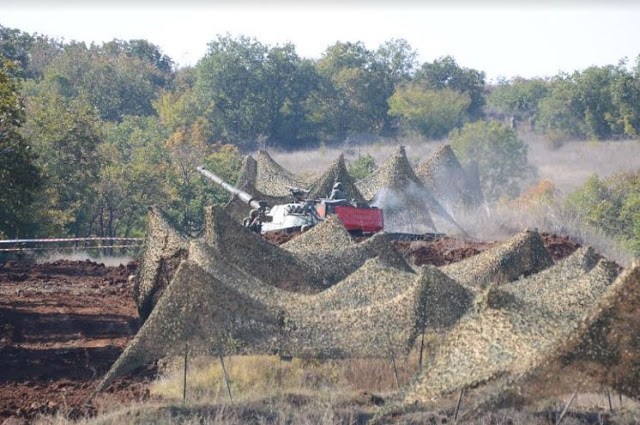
240 194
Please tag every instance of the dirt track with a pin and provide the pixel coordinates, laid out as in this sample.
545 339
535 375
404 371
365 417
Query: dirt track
63 324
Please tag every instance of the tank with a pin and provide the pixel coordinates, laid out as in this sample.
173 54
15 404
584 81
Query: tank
302 214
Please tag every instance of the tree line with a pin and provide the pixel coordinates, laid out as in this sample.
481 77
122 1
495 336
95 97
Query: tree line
90 135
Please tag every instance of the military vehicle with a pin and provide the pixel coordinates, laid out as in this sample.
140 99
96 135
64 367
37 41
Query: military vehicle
301 213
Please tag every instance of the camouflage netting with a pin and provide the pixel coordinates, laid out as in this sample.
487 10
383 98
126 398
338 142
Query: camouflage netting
214 304
406 201
164 249
329 235
248 181
567 329
252 254
558 328
443 174
248 175
272 179
322 187
522 255
329 266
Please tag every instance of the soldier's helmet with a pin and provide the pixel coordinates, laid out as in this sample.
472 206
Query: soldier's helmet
337 186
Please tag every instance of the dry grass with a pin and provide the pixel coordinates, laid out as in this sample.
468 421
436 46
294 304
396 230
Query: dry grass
256 378
567 166
571 164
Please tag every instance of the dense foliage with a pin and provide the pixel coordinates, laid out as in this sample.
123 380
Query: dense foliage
597 103
611 205
19 177
498 153
92 134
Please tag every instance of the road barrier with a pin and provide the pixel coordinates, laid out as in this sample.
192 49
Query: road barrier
22 245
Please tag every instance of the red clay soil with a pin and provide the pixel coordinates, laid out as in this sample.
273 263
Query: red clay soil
62 325
447 250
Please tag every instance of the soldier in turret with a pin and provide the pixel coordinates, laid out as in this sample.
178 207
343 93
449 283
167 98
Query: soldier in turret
337 192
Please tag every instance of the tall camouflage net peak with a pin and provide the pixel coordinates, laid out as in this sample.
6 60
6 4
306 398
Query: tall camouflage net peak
164 249
213 306
329 235
254 255
406 201
248 181
272 179
337 172
248 175
443 174
511 346
522 255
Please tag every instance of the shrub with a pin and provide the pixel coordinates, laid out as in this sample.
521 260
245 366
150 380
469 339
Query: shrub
611 205
362 166
433 113
501 157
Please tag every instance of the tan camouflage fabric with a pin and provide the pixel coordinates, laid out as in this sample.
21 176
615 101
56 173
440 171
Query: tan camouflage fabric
572 327
214 304
272 179
164 249
522 255
337 172
248 181
443 174
406 201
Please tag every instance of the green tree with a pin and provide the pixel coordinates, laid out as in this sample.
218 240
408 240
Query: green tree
561 114
398 58
445 73
14 46
19 176
112 79
519 97
433 113
353 93
188 192
248 91
611 205
66 134
501 157
132 176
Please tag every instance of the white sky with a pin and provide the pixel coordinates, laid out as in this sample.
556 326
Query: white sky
501 38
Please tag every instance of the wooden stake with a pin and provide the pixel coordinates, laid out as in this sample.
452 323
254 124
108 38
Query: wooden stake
566 407
226 377
421 350
395 371
609 398
620 397
455 414
184 377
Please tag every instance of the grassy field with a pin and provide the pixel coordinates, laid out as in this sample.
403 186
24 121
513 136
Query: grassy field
268 390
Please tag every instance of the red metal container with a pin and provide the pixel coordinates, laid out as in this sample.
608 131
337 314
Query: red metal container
367 220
